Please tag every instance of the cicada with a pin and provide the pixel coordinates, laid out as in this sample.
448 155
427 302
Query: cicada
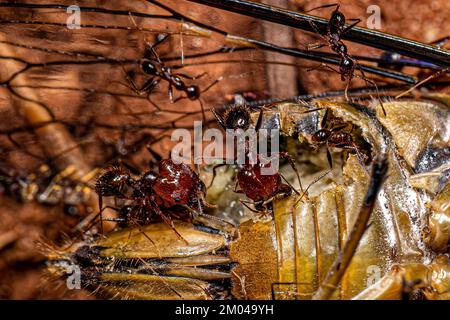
403 251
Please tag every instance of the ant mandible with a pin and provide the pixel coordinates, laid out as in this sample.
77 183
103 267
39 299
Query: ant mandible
175 185
260 188
336 27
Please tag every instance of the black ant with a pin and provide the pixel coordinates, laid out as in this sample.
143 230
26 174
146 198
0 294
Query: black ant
335 29
175 185
333 136
260 188
158 70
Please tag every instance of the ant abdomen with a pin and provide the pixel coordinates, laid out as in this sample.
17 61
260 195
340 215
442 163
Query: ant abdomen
193 92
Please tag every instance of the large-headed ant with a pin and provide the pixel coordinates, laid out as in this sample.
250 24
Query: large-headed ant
335 29
152 194
155 67
260 188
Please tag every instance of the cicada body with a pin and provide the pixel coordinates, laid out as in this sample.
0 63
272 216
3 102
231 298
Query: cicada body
149 262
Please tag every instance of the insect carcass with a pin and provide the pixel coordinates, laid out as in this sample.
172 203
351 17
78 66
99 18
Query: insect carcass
401 254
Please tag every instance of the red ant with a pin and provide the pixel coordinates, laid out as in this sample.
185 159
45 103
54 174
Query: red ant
260 188
335 29
333 136
175 185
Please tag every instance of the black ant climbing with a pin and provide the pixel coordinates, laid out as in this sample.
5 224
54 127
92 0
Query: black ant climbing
260 188
333 135
335 29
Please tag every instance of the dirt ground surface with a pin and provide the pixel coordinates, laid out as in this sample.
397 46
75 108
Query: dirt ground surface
24 225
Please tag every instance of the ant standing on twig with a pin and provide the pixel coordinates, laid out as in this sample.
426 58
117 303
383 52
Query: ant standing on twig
260 188
335 29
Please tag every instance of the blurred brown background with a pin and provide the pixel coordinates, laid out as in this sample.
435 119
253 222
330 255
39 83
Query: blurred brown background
22 224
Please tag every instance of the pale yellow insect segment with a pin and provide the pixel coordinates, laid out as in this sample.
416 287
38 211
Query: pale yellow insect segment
159 241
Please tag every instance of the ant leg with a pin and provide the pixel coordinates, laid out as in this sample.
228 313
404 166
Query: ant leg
311 184
356 21
149 85
93 221
167 220
203 111
183 75
170 92
286 155
374 84
260 119
150 52
215 173
422 82
440 42
246 203
212 84
290 185
315 45
219 119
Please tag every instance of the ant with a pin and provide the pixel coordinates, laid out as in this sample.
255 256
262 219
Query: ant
260 188
175 185
335 29
153 65
333 136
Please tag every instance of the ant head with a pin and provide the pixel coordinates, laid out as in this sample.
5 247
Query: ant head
237 117
148 67
321 136
193 92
